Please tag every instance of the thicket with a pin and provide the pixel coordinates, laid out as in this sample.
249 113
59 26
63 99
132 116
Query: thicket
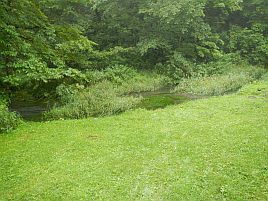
110 93
47 44
230 80
99 100
8 120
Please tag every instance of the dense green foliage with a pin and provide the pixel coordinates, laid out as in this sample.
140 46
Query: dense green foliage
45 45
111 93
210 149
8 120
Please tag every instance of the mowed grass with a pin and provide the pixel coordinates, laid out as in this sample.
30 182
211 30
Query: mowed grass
208 149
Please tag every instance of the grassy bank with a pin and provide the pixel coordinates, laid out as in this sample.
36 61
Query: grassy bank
209 149
111 91
230 80
109 94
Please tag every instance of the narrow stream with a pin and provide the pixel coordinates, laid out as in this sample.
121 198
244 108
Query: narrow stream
29 111
33 111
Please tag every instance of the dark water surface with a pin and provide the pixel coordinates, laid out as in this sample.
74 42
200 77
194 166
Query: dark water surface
29 111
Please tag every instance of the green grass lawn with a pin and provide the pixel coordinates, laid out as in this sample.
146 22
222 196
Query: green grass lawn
207 149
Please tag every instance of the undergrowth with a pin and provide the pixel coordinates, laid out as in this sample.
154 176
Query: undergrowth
108 93
8 120
219 84
99 100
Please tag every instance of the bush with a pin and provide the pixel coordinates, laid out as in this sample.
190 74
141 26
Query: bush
176 68
250 43
143 82
99 100
226 63
118 74
127 80
94 77
106 93
8 120
219 84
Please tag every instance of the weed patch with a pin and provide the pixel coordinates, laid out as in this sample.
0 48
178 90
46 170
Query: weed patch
219 84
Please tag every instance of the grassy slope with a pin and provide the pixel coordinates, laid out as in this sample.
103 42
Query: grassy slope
210 149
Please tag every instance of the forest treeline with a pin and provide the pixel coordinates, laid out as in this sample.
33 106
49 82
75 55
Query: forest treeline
47 42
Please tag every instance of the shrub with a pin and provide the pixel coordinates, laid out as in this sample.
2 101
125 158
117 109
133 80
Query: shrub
250 43
219 84
118 74
99 100
108 93
94 76
176 68
8 120
226 63
143 82
127 80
